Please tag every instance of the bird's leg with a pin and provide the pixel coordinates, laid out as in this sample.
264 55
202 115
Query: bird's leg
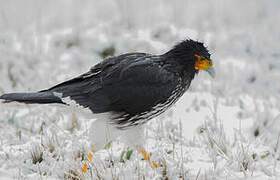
147 157
87 161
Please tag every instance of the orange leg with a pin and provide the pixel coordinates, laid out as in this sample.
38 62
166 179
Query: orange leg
147 158
143 152
89 158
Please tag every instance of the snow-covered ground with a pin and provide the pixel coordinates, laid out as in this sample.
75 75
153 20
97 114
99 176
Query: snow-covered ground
227 128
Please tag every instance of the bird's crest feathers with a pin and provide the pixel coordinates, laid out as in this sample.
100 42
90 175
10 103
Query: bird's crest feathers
185 47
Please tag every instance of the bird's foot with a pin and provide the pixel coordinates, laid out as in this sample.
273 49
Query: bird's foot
87 161
148 158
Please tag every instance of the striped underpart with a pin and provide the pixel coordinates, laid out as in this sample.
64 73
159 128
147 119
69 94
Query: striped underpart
126 121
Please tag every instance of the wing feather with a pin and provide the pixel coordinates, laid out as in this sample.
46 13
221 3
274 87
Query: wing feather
131 83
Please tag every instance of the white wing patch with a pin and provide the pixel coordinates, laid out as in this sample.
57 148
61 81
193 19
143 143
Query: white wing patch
57 94
67 100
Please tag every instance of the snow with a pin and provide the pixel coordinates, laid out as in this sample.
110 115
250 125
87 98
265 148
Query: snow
226 128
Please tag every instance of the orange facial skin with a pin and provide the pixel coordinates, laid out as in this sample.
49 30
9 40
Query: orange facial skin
202 63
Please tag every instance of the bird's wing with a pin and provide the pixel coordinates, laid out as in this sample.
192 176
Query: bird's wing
80 88
138 86
133 85
95 71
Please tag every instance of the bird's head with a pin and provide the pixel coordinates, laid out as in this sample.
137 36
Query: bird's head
193 55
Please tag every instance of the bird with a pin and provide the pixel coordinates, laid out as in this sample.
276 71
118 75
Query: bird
126 91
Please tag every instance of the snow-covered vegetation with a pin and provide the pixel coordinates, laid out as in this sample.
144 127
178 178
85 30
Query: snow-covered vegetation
227 128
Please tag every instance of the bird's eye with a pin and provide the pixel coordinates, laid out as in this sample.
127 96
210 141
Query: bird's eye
202 58
198 57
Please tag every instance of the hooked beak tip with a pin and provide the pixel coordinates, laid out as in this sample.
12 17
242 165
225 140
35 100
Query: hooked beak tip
211 72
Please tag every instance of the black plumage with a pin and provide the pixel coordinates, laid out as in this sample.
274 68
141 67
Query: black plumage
135 86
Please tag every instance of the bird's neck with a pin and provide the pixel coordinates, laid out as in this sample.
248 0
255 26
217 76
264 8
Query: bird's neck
180 65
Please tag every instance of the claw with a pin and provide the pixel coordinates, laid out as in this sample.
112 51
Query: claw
84 169
147 158
145 155
155 164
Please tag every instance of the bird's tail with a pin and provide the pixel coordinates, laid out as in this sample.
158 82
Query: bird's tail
42 97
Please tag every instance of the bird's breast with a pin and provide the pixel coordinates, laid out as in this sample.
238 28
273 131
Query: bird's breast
126 120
